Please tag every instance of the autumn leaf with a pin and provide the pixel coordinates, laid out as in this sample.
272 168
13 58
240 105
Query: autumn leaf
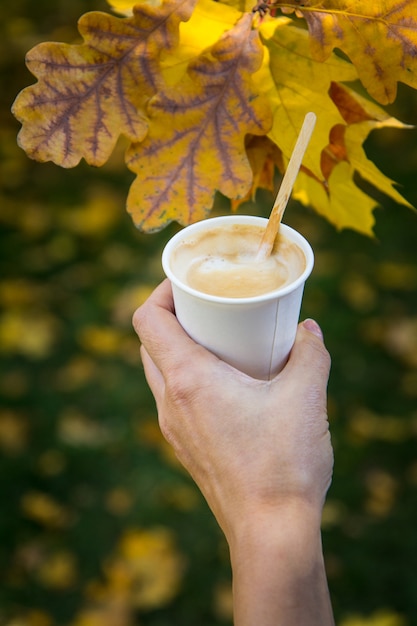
339 199
195 144
298 84
212 95
379 37
207 24
88 95
241 5
362 117
125 7
264 157
335 195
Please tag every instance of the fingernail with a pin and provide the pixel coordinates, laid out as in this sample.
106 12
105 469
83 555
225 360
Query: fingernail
313 327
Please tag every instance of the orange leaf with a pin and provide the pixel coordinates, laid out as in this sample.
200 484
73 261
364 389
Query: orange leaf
346 142
88 95
196 140
335 151
358 28
264 157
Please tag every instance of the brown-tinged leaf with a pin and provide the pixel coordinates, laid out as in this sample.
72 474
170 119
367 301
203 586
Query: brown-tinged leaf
264 157
339 199
195 143
87 95
379 37
346 142
297 84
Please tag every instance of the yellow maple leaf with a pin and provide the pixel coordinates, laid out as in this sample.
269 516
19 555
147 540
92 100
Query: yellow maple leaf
195 144
356 27
298 84
211 96
87 95
346 142
339 200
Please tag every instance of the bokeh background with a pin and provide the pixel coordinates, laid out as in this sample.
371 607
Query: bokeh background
98 523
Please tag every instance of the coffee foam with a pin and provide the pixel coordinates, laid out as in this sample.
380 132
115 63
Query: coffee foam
222 262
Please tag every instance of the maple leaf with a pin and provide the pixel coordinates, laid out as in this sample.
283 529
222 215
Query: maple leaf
336 195
195 143
362 117
339 200
357 28
211 96
87 95
297 84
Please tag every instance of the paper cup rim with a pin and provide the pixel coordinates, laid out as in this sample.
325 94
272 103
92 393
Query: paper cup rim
212 222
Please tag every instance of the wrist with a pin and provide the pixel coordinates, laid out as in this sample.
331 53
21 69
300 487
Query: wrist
278 568
290 533
296 521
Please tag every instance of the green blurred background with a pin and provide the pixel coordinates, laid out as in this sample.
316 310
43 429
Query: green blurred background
98 523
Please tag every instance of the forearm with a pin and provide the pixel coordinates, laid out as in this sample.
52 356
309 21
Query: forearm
278 573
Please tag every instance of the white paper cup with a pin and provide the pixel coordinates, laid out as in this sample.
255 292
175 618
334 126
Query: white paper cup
254 334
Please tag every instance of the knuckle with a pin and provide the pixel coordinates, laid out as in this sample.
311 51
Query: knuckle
182 384
140 320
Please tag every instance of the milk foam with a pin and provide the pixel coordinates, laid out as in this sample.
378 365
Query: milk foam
222 262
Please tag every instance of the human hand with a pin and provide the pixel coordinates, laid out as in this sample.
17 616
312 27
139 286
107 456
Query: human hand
253 447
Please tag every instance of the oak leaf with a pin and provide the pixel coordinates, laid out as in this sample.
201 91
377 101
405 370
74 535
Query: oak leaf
87 95
196 139
124 7
211 96
358 28
209 21
264 157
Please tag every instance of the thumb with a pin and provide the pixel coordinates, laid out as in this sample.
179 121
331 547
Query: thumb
309 356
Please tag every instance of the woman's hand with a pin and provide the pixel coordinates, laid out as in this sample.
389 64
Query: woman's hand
248 444
261 454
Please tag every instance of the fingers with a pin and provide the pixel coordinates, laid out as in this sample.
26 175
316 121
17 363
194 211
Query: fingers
165 341
153 375
169 347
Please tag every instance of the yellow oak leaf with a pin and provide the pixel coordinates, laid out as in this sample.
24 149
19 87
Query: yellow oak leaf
87 95
356 27
339 200
125 7
298 84
209 21
241 5
196 139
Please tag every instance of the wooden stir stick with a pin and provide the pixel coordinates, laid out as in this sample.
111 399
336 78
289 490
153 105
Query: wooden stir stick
285 189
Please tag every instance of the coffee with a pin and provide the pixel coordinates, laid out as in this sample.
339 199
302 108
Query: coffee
222 262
